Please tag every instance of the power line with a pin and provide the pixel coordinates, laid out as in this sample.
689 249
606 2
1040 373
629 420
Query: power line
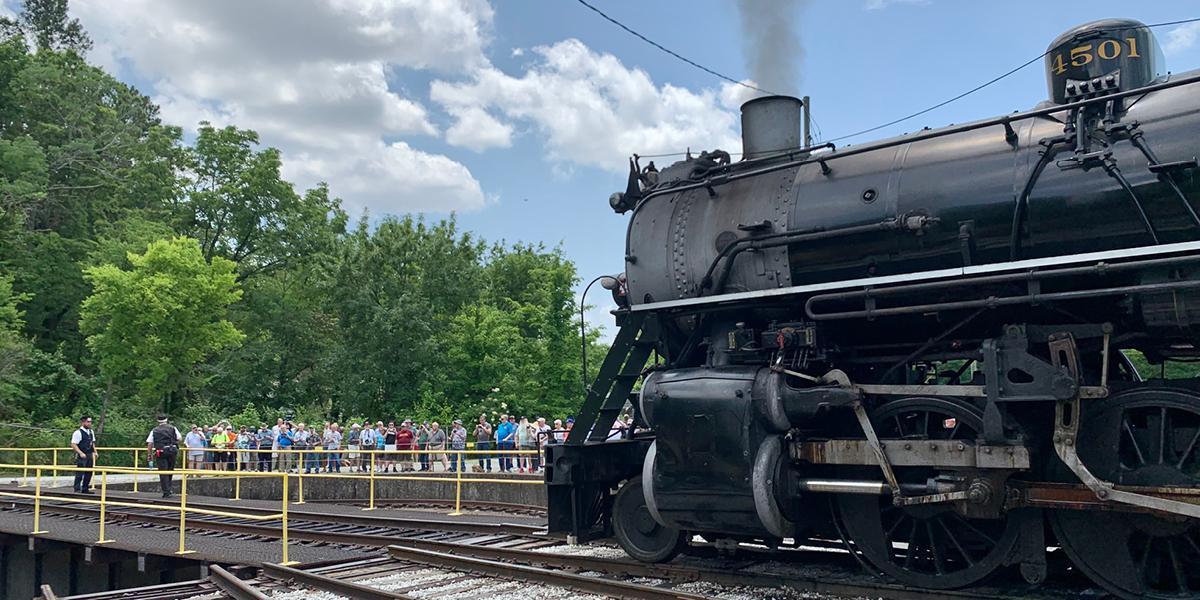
672 53
990 82
959 96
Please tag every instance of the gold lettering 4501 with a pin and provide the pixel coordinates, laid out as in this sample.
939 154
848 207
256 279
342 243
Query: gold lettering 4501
1080 56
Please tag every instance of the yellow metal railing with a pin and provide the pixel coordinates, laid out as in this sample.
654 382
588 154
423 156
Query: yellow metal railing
182 508
372 462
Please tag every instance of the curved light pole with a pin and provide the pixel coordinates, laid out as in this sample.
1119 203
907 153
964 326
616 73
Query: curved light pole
607 282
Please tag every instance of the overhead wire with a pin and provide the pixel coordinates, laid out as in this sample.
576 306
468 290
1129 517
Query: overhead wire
673 53
944 102
988 83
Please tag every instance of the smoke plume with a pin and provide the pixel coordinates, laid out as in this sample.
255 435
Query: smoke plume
772 43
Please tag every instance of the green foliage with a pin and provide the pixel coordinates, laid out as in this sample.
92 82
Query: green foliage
47 23
1162 370
272 307
156 321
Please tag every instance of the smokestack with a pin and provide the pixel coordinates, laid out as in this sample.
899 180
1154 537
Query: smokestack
771 124
772 44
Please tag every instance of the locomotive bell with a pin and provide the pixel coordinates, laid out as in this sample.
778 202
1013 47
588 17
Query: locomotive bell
771 124
1102 57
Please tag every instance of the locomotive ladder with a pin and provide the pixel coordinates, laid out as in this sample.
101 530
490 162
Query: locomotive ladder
620 370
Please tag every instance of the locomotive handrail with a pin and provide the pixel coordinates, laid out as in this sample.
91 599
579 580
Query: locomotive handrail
921 137
1099 268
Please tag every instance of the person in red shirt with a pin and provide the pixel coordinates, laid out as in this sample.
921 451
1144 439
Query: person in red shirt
404 441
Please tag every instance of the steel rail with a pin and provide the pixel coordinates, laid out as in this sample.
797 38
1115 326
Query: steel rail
48 592
298 516
179 589
230 584
507 570
295 531
340 587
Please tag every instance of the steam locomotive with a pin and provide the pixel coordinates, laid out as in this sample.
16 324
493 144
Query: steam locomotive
919 346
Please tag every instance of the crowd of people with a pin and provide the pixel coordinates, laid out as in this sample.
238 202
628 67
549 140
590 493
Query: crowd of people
403 446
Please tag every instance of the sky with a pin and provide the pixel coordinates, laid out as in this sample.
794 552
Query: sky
519 116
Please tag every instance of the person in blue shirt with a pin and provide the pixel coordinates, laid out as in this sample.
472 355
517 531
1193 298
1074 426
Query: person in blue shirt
506 433
286 459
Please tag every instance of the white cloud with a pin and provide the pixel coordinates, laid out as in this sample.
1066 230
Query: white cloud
518 52
313 78
882 4
593 110
1181 38
477 130
734 96
376 174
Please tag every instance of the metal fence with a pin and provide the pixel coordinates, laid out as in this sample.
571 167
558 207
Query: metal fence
33 469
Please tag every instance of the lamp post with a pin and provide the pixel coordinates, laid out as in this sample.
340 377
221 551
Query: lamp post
608 282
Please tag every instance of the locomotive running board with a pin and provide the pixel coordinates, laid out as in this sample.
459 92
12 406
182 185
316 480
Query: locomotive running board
1033 263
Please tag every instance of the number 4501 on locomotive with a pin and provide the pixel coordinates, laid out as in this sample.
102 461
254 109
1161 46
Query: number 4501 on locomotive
917 345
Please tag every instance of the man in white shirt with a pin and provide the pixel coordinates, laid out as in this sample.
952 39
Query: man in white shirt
275 455
83 442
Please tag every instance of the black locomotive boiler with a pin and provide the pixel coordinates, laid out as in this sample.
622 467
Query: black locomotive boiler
917 346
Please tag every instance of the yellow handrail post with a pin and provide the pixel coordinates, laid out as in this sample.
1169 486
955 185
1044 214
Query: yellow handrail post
371 504
25 472
103 506
37 503
54 453
135 467
183 513
284 513
299 481
237 488
457 485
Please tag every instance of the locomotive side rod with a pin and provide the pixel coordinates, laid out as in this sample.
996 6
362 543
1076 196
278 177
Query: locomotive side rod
1004 121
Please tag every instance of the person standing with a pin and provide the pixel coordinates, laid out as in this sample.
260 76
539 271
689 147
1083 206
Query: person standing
163 445
83 442
284 441
458 443
275 454
366 443
543 436
483 441
437 447
405 442
333 441
423 445
506 433
220 444
391 439
195 449
266 440
353 443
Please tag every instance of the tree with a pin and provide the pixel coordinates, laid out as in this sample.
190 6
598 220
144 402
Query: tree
239 206
47 23
156 321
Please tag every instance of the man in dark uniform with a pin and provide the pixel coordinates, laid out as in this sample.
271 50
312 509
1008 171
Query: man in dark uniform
163 446
83 442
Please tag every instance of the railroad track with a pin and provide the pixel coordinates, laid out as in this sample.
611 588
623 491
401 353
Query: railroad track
517 552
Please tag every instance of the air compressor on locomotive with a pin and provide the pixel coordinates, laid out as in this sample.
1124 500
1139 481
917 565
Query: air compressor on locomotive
917 345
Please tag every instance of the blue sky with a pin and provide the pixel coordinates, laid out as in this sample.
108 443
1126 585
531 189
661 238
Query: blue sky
520 115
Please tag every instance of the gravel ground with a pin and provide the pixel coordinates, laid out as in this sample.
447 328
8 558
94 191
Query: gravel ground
500 589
